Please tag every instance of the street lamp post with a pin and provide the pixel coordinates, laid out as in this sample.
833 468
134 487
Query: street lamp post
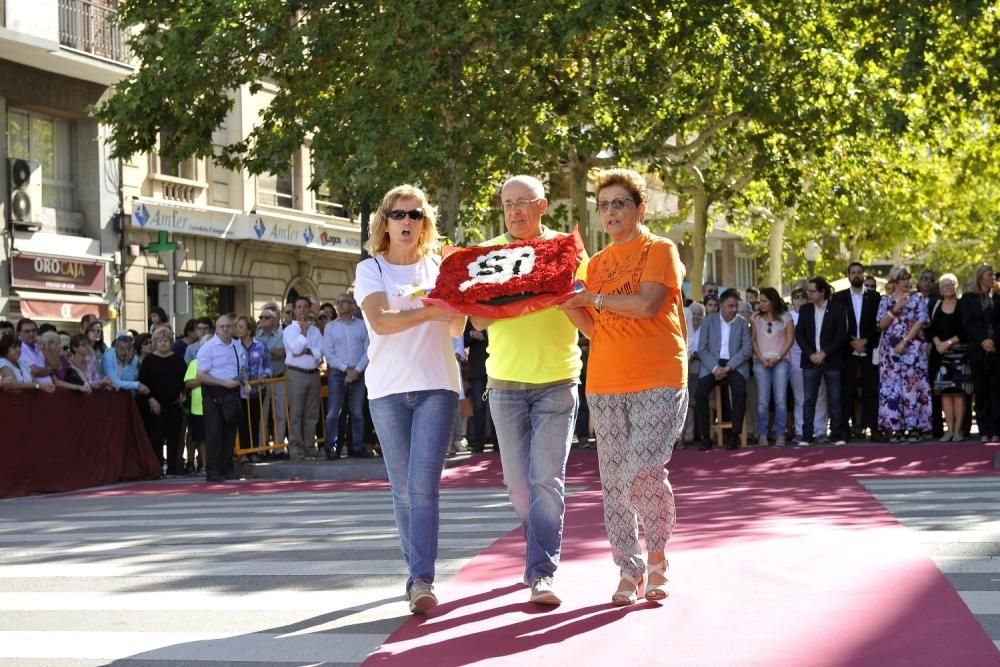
812 251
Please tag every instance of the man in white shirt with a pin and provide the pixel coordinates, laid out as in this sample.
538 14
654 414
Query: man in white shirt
221 363
32 357
345 347
303 351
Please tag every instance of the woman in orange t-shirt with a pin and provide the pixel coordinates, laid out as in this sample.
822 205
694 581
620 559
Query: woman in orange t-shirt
636 379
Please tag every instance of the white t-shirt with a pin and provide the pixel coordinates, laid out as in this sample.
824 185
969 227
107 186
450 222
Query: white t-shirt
419 358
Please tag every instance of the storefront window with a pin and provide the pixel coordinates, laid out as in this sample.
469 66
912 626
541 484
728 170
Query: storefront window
206 300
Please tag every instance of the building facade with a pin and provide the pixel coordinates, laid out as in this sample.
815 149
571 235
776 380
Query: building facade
59 258
116 238
241 240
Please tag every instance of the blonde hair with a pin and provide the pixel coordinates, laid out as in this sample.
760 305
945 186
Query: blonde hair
948 276
161 332
981 271
50 338
897 271
378 230
250 322
627 178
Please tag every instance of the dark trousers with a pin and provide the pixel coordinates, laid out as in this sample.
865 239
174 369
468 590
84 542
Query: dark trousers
165 428
220 434
859 373
250 421
737 385
479 427
986 383
811 378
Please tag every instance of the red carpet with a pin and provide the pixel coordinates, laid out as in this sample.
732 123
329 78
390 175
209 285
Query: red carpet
779 558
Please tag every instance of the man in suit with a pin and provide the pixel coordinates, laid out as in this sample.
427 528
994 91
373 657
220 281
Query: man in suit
863 335
822 335
724 351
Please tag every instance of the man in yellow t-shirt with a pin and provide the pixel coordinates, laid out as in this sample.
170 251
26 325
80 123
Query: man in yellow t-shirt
532 372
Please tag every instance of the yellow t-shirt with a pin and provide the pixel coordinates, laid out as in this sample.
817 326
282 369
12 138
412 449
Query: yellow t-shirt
628 354
537 348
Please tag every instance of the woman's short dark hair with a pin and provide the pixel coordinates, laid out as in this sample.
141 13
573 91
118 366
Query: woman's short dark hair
77 340
159 311
778 305
6 343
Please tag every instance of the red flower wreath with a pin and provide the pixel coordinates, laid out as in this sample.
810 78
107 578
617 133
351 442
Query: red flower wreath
508 280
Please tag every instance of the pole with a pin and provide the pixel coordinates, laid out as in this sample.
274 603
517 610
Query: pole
366 214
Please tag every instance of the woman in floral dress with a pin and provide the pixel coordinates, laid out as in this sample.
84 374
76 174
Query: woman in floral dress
904 390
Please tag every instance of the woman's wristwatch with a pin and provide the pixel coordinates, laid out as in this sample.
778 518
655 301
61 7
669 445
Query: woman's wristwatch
598 302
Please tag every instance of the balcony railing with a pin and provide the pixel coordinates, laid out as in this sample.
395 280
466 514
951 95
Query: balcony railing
88 25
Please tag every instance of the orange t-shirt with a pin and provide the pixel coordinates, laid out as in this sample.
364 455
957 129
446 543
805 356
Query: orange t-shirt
629 354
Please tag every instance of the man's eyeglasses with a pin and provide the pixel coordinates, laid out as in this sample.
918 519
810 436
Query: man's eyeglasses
518 204
399 214
614 204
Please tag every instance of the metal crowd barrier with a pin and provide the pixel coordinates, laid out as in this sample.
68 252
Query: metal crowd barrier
271 440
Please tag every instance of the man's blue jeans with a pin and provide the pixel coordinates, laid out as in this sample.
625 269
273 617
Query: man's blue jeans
414 430
810 380
338 387
534 428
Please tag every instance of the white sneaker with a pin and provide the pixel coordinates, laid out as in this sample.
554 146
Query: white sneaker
542 592
840 442
422 597
803 443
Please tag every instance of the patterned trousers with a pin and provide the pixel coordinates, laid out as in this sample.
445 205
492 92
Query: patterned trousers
636 432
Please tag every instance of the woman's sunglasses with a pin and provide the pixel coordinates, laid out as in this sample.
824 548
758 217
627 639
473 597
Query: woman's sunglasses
399 214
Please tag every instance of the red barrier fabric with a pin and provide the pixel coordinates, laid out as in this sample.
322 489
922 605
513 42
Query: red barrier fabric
67 440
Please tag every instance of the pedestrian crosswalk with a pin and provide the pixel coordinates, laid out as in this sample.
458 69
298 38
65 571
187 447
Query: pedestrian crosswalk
295 577
956 520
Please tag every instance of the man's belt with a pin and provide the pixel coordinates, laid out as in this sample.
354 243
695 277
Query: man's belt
308 371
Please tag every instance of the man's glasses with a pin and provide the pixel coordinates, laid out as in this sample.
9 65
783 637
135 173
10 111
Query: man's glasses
267 317
614 204
518 204
399 214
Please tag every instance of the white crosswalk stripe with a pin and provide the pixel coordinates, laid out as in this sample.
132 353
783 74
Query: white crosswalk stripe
295 578
955 519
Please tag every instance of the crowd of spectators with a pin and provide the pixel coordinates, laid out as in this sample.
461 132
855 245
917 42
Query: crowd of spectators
906 365
161 371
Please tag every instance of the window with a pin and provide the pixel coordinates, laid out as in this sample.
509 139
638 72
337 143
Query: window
324 196
49 142
709 270
744 271
276 189
175 168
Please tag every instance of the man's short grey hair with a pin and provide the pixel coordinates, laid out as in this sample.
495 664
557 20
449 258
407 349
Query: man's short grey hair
536 186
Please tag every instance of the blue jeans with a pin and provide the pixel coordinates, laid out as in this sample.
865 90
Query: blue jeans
355 391
772 380
534 428
414 430
810 380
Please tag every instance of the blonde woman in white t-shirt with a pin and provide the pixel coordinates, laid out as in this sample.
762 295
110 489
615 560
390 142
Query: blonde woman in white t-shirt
412 376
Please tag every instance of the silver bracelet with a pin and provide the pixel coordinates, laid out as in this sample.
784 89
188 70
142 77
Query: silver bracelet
598 302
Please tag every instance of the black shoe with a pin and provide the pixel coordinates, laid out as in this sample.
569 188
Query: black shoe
732 446
705 447
332 456
214 479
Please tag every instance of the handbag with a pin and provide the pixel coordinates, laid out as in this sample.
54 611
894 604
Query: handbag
230 407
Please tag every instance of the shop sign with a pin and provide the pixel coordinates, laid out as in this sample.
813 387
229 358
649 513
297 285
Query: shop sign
304 234
57 273
193 222
59 311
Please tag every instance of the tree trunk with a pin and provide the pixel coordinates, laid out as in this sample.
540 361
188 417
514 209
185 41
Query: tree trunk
579 168
776 248
696 273
450 206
